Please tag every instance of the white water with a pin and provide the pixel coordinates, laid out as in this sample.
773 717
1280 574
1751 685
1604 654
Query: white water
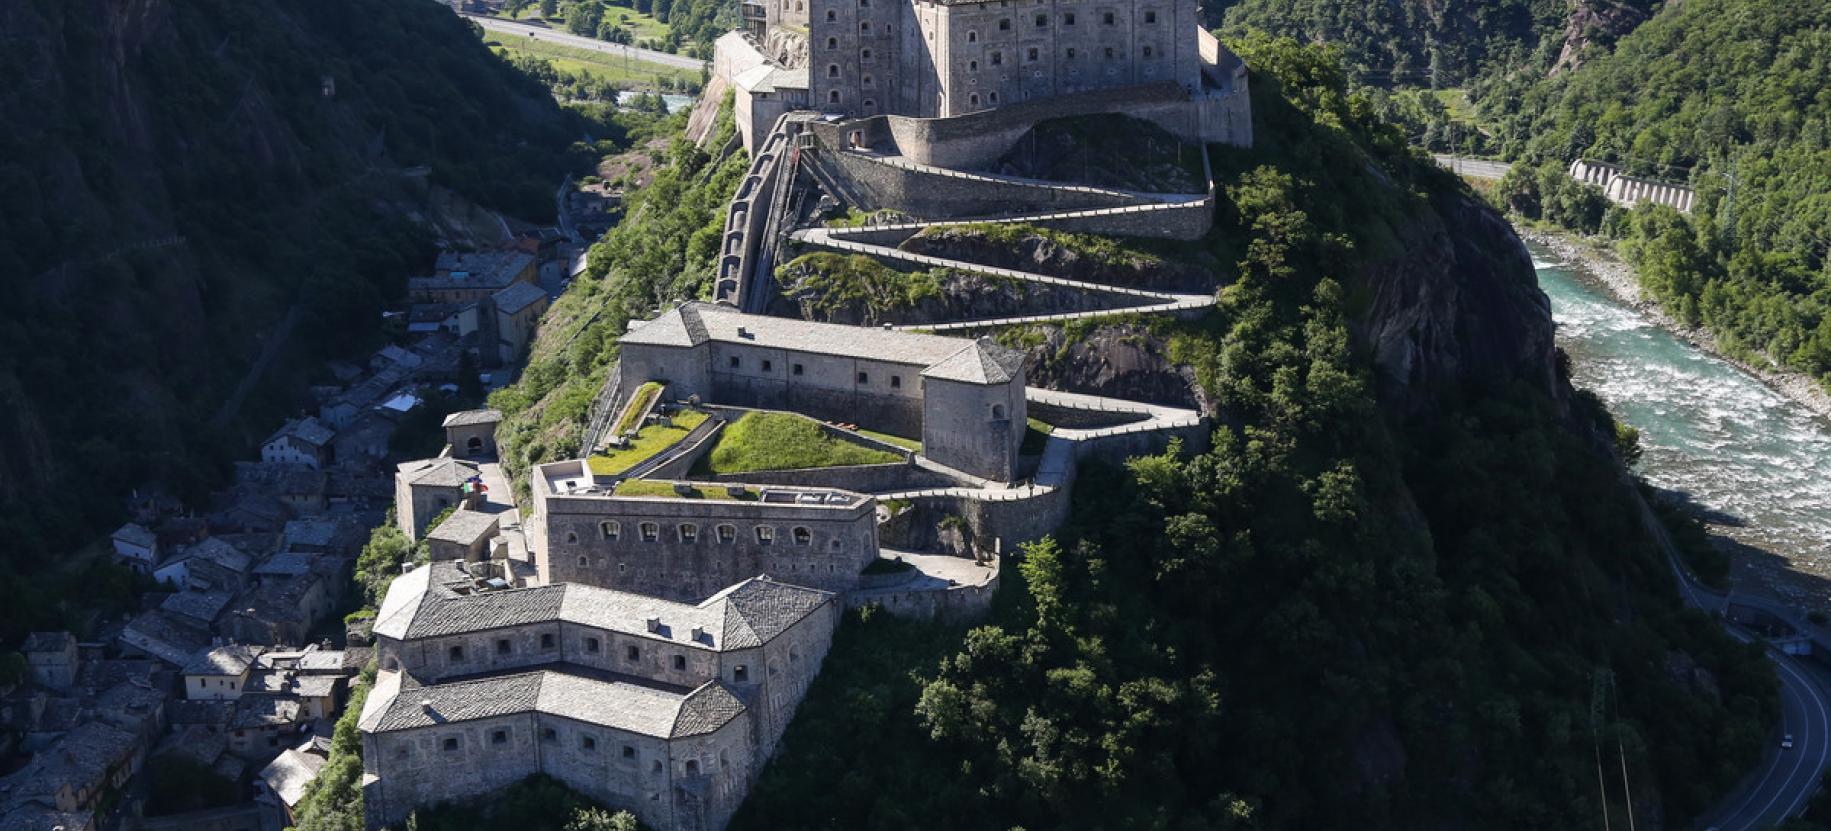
1708 429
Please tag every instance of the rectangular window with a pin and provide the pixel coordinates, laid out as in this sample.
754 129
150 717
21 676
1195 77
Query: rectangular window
588 744
797 367
689 533
767 365
896 381
633 653
1109 53
451 743
680 662
863 378
998 58
629 751
456 653
1042 20
502 646
1150 17
765 534
1107 19
546 640
591 645
1068 19
499 737
548 734
1032 55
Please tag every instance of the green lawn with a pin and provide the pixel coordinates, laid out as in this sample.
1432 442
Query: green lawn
649 441
628 71
643 26
649 487
784 441
638 403
914 445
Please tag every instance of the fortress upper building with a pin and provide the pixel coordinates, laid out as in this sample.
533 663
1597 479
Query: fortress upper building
929 59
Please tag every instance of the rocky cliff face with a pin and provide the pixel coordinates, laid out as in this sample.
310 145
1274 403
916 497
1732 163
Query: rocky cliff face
1597 23
176 176
1460 305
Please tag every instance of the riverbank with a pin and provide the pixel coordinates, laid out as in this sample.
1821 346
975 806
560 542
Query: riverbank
1610 272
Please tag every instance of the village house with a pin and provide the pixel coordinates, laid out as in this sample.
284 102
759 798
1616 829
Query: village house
424 488
220 673
282 784
471 434
137 547
53 658
465 535
518 311
303 441
467 277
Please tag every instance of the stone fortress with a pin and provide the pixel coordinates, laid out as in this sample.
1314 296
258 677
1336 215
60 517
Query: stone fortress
647 629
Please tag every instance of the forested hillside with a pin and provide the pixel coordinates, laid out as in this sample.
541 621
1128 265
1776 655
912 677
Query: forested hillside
179 180
1406 588
1732 96
1446 43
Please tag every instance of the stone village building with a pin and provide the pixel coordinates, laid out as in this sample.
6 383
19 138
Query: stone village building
664 709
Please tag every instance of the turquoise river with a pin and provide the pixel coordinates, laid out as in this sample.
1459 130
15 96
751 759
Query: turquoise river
1757 460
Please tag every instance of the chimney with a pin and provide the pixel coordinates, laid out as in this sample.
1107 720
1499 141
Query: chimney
699 634
426 705
654 624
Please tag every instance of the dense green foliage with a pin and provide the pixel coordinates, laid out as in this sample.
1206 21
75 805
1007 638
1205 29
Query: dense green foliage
1334 617
175 785
537 803
665 248
183 181
333 800
785 441
1731 96
827 282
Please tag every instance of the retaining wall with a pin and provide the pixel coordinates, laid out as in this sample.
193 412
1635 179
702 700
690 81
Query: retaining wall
956 603
862 478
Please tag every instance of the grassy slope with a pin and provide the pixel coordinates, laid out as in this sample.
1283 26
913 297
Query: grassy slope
784 441
633 71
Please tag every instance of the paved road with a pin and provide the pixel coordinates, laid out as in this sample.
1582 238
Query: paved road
568 39
1786 779
1477 168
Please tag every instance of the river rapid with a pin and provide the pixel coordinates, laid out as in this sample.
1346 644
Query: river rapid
1757 461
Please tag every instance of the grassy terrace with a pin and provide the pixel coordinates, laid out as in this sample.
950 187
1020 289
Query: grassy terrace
649 441
646 487
627 72
913 445
638 404
784 441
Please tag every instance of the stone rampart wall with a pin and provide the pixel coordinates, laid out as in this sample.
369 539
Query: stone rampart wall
1082 418
954 604
929 193
867 478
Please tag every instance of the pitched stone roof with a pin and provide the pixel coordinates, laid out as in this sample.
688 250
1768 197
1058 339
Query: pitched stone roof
221 553
233 659
427 603
166 636
200 605
289 773
517 296
48 642
266 711
604 700
134 533
307 430
465 418
442 472
982 362
464 527
691 324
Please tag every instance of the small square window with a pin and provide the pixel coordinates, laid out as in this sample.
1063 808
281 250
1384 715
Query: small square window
1004 24
450 743
1068 19
589 744
548 734
456 653
680 662
499 737
503 647
633 653
591 645
797 367
1150 17
546 640
732 361
896 381
1042 20
864 378
629 751
1107 19
1032 54
767 365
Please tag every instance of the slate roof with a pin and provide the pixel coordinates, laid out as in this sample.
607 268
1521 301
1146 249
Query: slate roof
443 472
982 362
47 642
311 533
134 533
266 711
604 701
233 659
694 323
170 638
517 296
203 606
307 430
464 418
289 773
464 527
221 553
423 604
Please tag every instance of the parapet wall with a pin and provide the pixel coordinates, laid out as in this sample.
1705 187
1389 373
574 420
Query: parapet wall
938 193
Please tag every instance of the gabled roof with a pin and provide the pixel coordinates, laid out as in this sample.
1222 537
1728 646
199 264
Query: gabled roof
982 362
233 659
221 553
202 606
464 527
596 698
442 472
307 430
134 533
517 296
289 773
427 603
465 418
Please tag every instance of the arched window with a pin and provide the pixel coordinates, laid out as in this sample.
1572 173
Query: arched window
993 97
972 66
650 532
611 529
572 538
692 767
799 7
864 54
972 37
865 27
688 532
832 97
832 70
831 15
998 412
870 104
583 562
765 534
832 43
803 536
973 99
727 534
475 444
867 81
